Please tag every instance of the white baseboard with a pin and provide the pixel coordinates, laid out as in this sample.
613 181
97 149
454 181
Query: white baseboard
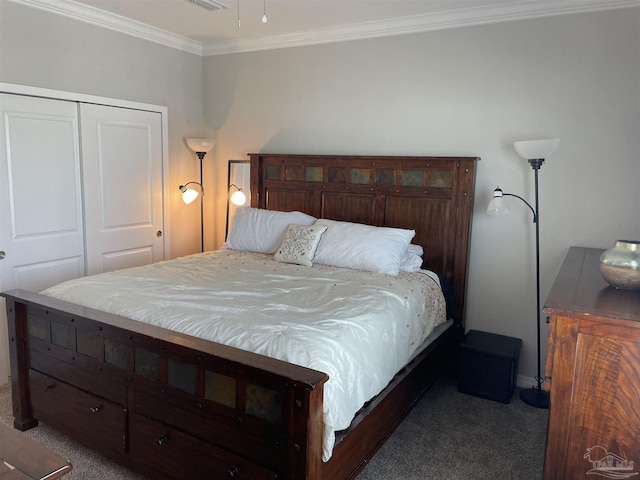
526 382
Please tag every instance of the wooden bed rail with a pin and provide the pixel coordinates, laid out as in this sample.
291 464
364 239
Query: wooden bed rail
230 398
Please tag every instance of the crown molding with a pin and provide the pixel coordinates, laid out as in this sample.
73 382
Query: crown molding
475 16
527 9
100 18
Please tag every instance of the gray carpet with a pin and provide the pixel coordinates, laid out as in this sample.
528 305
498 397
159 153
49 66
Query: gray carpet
454 436
448 435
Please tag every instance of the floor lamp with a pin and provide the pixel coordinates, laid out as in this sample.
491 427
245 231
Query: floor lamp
535 151
200 146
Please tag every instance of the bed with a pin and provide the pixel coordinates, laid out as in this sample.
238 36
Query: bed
171 405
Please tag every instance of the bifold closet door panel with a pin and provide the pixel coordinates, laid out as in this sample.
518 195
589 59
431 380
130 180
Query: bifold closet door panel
122 179
41 231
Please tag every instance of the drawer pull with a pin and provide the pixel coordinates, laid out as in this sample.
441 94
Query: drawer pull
96 409
48 388
233 472
162 440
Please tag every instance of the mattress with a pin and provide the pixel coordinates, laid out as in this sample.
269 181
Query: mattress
358 327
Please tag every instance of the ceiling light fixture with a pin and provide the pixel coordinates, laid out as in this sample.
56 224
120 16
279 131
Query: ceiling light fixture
264 11
210 4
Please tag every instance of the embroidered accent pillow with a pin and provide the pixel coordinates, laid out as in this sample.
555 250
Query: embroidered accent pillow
300 244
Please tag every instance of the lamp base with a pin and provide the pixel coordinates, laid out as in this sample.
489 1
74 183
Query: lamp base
536 397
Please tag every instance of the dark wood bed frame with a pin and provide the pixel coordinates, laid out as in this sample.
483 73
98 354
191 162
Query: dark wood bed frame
173 406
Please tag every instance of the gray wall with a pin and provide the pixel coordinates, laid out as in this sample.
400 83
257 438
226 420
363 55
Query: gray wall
44 50
470 91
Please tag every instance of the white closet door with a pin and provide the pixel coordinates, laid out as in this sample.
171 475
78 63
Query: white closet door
41 241
40 193
122 178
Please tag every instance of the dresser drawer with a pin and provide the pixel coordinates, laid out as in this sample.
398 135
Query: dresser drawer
176 455
98 423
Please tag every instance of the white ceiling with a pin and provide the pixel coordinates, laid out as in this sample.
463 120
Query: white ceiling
183 25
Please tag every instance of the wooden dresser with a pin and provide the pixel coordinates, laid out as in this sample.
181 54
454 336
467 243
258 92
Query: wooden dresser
592 373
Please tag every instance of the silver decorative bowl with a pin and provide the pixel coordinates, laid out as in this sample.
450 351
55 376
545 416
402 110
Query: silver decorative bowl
620 265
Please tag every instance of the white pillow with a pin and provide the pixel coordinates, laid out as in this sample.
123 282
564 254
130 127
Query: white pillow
412 261
363 247
300 244
262 231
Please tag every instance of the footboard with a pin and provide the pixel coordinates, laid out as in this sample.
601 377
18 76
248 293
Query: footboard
165 404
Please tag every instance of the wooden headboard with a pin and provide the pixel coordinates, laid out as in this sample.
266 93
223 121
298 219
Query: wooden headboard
432 195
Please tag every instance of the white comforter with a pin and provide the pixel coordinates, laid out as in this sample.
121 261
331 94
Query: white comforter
360 328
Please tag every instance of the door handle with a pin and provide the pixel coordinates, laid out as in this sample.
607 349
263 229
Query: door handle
2 254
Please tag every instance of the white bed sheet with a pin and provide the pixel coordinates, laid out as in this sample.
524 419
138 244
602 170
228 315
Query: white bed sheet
360 328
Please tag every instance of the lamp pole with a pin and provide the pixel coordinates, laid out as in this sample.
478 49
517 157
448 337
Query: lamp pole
534 151
201 157
536 397
200 146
